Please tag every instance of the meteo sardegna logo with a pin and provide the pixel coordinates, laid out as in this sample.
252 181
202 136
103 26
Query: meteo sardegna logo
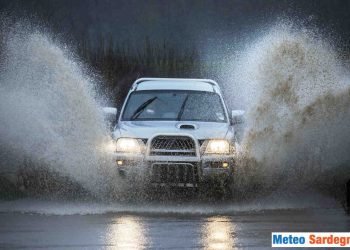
290 239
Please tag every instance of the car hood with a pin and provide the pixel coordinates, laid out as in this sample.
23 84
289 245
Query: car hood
146 129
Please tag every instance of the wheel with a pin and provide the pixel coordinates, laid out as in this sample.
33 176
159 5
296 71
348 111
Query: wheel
217 188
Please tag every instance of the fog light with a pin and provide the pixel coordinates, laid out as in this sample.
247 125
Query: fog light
119 163
225 164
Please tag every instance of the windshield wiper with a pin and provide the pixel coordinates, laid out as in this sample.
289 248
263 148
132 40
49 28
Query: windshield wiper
182 108
141 108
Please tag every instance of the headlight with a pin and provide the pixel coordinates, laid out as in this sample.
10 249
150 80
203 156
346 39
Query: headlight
217 147
128 145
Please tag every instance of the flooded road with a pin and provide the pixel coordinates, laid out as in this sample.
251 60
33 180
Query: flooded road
166 231
295 147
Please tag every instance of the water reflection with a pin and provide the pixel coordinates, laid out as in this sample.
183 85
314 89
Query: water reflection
127 232
218 233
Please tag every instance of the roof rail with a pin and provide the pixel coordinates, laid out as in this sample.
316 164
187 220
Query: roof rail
145 79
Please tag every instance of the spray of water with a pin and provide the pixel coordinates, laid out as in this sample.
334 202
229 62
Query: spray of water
297 95
291 82
49 112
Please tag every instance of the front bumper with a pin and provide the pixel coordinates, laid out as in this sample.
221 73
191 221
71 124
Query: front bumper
175 170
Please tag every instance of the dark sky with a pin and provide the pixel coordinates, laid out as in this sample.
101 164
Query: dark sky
182 22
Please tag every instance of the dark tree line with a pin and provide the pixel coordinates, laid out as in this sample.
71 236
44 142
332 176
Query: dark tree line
119 64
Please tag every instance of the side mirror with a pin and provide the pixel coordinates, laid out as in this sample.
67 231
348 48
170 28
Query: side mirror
110 111
110 115
237 117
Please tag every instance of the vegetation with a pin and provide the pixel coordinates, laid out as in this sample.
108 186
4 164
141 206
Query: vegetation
119 64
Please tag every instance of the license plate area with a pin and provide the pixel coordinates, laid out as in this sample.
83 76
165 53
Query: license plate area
179 174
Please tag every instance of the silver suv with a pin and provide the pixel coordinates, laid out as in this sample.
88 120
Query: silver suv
175 132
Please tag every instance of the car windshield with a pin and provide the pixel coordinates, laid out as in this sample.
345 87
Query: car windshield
174 105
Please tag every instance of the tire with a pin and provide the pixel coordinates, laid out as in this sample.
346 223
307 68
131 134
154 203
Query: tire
217 188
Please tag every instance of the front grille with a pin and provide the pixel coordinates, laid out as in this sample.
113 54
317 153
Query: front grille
173 146
175 173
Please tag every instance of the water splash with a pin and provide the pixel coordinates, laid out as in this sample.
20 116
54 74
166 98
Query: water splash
297 94
295 89
49 111
261 204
